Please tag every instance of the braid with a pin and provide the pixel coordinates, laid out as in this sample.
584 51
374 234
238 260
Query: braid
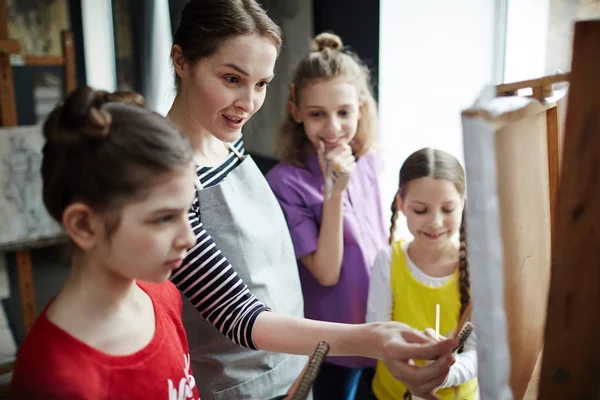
394 218
464 276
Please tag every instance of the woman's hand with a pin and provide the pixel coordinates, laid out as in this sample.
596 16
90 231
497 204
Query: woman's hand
337 165
394 343
402 344
430 332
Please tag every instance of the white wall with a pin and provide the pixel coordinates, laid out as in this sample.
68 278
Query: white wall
435 58
99 44
526 39
160 91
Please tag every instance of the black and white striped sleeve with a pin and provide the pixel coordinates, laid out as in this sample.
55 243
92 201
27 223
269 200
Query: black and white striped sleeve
214 288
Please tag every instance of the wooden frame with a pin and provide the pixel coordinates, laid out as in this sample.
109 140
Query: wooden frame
542 90
512 146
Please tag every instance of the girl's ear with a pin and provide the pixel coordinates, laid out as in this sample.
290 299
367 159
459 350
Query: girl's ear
361 109
83 226
399 203
294 112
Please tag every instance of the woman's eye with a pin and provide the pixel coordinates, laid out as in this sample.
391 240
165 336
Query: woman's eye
232 79
420 211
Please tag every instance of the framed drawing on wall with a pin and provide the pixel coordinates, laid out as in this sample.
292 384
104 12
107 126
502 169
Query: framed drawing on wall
23 217
38 77
37 24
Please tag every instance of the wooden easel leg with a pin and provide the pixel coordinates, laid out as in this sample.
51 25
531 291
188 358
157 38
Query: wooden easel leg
571 360
26 288
8 111
68 51
553 140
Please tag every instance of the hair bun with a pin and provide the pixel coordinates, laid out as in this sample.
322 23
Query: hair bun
82 115
327 41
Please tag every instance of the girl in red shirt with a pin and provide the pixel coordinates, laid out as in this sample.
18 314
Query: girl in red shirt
117 177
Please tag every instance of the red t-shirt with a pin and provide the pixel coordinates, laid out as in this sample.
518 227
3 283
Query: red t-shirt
52 364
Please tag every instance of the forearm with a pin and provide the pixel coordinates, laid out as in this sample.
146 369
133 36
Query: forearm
465 367
392 342
292 335
326 262
233 309
462 371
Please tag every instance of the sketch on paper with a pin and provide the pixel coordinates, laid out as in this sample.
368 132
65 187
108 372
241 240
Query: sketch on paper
37 24
23 218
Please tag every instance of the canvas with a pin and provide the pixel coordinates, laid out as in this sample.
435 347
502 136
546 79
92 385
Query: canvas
24 221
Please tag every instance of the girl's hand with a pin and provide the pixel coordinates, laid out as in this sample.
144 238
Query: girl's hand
337 165
402 344
429 332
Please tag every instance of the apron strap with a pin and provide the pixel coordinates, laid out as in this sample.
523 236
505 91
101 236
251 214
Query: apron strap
234 150
198 186
197 181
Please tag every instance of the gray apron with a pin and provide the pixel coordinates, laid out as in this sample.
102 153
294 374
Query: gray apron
246 222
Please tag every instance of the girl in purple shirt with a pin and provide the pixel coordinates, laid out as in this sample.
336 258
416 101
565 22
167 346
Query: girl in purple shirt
327 186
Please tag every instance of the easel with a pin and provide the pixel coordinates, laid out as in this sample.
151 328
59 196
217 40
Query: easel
571 360
512 157
542 90
9 50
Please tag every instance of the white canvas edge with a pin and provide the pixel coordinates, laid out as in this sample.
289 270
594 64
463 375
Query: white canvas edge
484 241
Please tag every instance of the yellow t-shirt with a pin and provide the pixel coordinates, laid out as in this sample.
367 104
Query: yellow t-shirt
414 304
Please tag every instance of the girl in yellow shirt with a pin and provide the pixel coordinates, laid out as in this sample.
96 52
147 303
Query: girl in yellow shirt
410 277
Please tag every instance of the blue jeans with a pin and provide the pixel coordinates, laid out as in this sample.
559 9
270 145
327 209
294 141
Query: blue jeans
340 383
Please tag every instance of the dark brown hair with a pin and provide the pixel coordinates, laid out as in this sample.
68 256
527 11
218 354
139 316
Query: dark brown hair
205 24
438 164
104 149
328 60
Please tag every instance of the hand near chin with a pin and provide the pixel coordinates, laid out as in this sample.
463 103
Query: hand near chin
337 165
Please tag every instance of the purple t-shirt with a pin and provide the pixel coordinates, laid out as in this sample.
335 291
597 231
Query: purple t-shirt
300 193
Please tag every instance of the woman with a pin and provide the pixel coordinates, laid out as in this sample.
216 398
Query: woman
224 54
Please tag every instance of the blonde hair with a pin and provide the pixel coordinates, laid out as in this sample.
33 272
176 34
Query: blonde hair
328 60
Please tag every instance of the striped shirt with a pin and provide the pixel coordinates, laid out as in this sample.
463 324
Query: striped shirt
206 277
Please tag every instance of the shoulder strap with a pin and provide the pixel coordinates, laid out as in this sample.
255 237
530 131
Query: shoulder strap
235 151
